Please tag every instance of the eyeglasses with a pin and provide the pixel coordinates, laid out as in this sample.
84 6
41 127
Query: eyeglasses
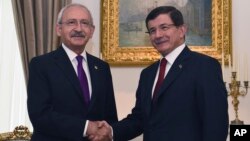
163 27
74 23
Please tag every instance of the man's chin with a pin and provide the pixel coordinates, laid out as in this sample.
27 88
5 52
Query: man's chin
78 43
161 47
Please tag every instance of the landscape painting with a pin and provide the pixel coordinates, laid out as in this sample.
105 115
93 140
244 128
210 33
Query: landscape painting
132 15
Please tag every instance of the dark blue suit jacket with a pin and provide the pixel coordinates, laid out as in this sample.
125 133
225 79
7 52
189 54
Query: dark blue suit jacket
191 104
55 101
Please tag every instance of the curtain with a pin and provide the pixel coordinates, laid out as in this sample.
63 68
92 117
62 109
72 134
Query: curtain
13 93
35 23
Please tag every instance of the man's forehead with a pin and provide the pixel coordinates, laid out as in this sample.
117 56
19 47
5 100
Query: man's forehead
78 12
75 8
160 19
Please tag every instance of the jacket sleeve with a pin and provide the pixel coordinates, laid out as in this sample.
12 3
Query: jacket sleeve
41 111
212 101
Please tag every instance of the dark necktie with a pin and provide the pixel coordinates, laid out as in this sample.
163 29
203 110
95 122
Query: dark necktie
160 78
83 79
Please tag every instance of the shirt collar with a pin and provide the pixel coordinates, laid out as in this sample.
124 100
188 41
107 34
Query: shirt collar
175 53
72 55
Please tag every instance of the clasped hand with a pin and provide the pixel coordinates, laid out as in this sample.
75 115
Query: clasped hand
99 131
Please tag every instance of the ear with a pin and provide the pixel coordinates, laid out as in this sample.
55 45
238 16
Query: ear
183 30
58 30
92 29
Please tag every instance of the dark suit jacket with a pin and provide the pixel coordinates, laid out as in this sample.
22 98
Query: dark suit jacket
55 101
191 104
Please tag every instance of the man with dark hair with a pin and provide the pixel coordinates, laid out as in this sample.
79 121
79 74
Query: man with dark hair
182 96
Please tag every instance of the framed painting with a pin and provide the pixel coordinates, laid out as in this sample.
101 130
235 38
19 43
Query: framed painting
123 38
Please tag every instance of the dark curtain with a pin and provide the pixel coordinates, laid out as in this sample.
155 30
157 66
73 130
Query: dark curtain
35 23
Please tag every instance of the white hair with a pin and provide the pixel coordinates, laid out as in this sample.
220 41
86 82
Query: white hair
60 15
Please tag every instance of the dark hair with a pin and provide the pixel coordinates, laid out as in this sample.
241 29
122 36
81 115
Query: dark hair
174 14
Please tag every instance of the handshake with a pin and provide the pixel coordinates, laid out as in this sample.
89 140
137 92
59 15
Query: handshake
99 131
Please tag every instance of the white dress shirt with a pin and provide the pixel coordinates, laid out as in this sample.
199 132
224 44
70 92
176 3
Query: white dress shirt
170 61
72 57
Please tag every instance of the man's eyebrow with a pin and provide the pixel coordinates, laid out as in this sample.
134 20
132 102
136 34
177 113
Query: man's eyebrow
163 24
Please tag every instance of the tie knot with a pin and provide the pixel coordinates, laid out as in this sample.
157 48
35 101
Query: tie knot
163 62
79 58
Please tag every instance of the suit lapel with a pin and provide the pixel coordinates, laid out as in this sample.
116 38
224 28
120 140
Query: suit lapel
175 71
93 70
62 60
149 86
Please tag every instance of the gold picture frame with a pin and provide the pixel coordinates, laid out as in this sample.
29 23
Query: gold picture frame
139 56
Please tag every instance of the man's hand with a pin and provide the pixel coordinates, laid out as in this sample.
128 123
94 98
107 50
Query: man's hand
99 131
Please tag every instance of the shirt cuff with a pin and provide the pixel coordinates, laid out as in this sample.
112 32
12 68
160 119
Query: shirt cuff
112 133
86 127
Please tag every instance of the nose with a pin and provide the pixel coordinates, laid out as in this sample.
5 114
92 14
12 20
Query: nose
158 33
78 27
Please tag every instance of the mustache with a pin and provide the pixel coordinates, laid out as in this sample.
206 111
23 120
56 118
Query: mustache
158 41
78 34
